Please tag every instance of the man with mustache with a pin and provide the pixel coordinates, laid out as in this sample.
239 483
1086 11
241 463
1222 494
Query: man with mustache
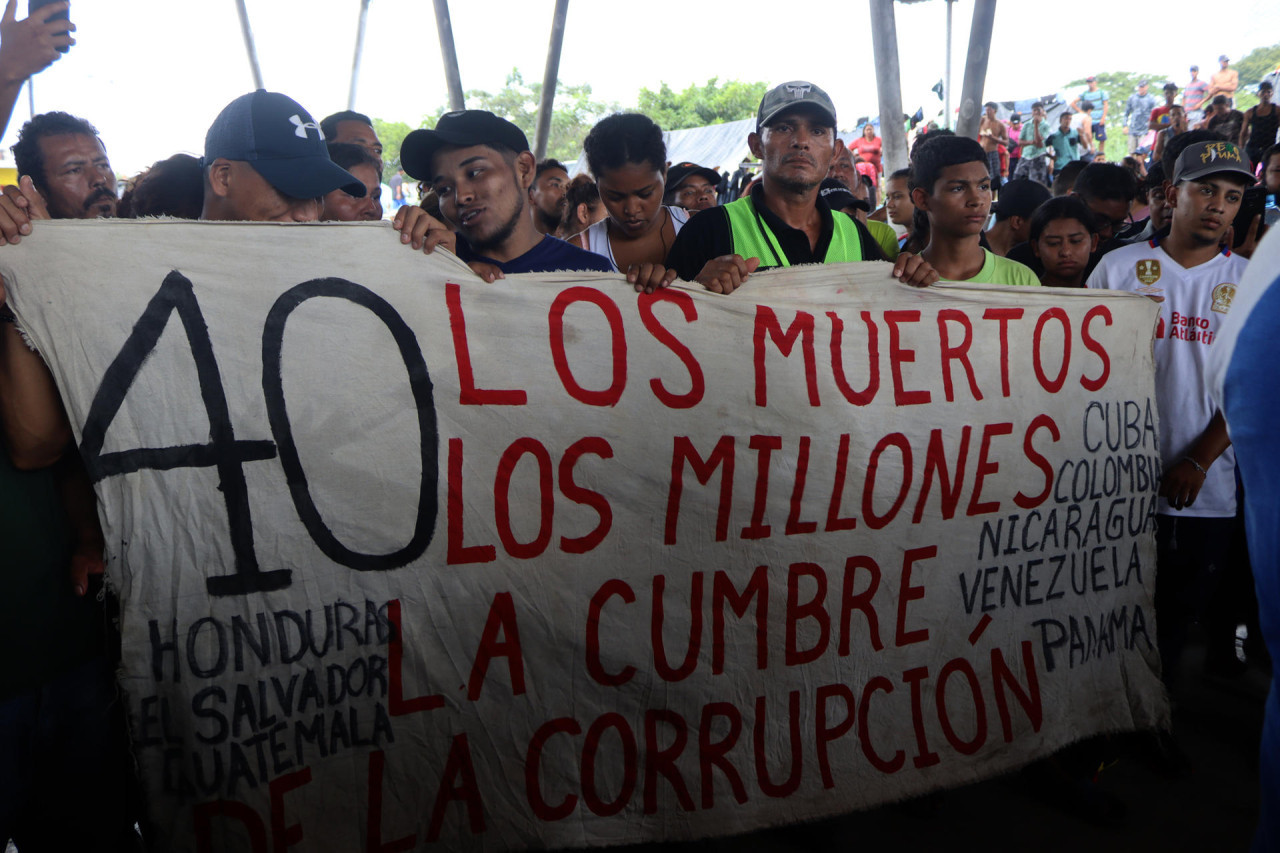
352 128
783 221
68 165
546 196
481 168
59 712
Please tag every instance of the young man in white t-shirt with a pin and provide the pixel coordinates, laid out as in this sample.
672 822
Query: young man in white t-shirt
1195 279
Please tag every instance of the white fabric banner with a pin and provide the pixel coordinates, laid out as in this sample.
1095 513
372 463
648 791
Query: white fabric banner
407 559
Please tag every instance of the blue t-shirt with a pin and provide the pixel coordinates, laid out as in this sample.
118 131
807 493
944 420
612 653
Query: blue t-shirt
550 255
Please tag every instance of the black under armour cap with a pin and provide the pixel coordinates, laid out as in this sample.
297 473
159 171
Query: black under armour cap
795 93
280 140
459 128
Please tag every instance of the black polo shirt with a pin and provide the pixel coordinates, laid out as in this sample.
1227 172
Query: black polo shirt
707 236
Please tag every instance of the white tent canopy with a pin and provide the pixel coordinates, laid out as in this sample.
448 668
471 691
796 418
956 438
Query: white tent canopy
716 146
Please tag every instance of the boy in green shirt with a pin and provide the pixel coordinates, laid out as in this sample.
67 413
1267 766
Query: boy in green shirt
1035 133
1064 143
951 184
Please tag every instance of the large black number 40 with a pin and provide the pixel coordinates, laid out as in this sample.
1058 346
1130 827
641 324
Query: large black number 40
224 452
423 399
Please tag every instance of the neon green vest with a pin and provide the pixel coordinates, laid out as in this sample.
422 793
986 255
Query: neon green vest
753 239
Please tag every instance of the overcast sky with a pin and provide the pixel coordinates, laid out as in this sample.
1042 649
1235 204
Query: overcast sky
152 75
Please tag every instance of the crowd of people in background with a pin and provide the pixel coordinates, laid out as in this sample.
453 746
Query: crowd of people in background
1023 203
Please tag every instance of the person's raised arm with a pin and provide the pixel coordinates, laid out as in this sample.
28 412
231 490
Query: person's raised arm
28 47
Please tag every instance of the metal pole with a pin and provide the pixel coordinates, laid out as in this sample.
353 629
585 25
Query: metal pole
249 47
947 85
975 68
884 43
549 79
444 27
31 95
355 62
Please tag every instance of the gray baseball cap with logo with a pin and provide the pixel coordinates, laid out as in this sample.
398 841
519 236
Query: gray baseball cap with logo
1202 159
792 94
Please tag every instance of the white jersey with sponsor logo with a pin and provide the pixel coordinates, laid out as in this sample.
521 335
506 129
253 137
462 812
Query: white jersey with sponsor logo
1196 302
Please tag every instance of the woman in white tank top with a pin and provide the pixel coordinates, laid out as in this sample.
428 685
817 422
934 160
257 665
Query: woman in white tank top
629 159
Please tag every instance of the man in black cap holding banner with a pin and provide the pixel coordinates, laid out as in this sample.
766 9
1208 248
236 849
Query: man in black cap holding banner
784 220
481 168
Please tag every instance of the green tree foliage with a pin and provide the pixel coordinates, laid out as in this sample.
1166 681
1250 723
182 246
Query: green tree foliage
698 106
391 134
1260 62
574 114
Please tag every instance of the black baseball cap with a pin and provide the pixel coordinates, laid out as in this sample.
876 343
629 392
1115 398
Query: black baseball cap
1201 159
282 142
788 95
838 196
458 128
1020 197
681 172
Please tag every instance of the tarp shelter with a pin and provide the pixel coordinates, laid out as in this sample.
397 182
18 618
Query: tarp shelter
1053 105
716 145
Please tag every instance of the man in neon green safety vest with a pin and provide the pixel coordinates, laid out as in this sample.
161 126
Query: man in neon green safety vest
783 221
